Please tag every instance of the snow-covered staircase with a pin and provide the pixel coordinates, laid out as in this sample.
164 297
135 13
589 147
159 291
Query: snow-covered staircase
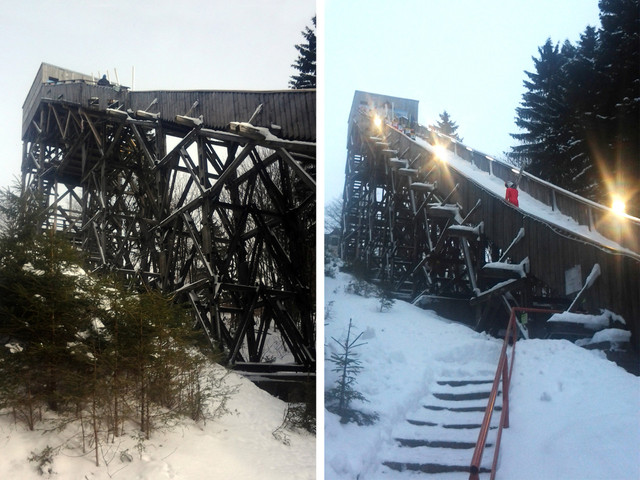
438 437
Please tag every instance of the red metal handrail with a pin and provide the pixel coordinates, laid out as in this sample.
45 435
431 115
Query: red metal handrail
502 372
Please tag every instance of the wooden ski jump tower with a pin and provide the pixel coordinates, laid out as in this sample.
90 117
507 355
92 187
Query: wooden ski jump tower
206 195
429 233
402 224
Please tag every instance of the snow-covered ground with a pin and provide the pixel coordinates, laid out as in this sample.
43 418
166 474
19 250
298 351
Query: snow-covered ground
239 445
574 414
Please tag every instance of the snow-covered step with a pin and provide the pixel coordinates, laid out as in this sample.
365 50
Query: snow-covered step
455 403
411 431
446 417
459 385
439 435
418 471
443 456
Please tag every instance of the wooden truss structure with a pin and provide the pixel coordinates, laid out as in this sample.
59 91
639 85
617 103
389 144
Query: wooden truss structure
407 227
223 219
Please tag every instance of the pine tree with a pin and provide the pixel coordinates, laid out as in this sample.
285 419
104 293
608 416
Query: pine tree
43 312
580 112
306 61
88 348
581 90
348 366
447 127
542 116
618 59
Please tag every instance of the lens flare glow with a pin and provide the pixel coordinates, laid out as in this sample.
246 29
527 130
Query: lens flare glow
618 205
441 152
377 121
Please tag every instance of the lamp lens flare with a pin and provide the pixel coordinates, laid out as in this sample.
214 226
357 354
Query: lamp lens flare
377 121
441 152
618 205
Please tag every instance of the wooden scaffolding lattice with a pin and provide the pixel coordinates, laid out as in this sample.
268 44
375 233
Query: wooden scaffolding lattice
400 227
223 219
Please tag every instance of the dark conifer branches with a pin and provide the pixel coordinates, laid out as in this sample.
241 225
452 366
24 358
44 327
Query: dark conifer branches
306 61
447 127
579 115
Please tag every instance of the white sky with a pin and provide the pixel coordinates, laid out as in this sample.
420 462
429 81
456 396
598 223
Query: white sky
169 45
464 56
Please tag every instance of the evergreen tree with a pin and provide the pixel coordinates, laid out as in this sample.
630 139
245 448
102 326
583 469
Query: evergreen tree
43 312
541 115
580 90
618 59
580 112
306 61
86 347
447 127
348 366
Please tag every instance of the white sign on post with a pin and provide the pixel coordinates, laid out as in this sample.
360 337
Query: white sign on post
573 280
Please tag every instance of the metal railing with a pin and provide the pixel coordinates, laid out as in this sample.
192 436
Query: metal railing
503 372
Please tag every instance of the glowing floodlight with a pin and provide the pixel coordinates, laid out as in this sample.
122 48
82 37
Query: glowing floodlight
377 121
618 205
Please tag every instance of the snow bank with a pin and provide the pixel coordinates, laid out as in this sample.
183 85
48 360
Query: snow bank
239 446
574 414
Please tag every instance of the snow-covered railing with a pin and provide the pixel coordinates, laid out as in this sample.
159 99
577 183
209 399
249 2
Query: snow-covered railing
503 372
622 228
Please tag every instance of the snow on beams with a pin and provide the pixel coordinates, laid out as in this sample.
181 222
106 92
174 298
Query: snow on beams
498 289
605 319
466 231
506 270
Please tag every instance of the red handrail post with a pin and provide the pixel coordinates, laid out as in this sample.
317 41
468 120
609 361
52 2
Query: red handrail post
505 371
505 392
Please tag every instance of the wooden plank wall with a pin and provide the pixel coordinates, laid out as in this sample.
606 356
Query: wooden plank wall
293 110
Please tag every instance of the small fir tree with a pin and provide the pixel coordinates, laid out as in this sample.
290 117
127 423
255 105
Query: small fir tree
348 366
88 348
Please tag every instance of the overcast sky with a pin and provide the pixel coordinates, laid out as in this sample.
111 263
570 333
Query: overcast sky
467 57
150 44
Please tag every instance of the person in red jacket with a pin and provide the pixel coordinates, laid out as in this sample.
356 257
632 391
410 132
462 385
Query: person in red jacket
511 195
